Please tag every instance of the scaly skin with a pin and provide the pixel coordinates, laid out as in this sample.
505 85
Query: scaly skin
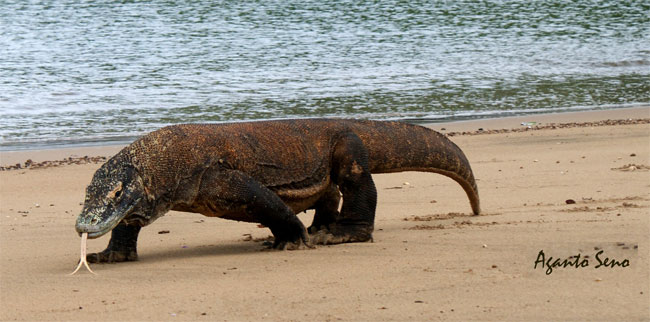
263 172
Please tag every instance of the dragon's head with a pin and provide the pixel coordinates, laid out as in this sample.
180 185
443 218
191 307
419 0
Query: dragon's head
115 192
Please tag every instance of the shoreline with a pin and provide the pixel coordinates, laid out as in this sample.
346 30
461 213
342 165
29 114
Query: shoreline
462 116
9 159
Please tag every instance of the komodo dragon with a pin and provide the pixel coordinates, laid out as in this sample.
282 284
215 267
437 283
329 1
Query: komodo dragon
264 172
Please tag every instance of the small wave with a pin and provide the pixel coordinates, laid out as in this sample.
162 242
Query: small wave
625 63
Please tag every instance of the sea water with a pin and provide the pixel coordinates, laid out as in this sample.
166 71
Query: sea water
97 72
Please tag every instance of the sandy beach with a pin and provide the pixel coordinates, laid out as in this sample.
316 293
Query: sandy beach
579 193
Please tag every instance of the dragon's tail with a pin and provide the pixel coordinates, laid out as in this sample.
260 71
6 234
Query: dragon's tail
397 147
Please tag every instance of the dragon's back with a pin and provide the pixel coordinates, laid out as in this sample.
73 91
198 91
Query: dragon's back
278 154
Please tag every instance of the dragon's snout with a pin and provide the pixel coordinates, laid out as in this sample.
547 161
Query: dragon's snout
93 230
93 225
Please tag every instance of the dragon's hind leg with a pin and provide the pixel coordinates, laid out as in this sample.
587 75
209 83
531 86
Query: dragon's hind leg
351 172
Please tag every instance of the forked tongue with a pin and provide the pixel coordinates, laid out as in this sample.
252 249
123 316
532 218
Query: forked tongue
82 260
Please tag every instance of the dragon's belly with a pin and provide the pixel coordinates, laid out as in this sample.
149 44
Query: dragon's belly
298 200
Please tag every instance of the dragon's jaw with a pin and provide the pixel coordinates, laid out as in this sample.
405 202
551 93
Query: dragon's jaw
97 229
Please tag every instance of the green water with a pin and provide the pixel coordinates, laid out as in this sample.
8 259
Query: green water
76 72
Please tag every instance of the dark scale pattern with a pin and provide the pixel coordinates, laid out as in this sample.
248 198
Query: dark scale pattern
268 171
280 155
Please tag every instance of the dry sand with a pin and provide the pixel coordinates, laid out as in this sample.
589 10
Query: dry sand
430 260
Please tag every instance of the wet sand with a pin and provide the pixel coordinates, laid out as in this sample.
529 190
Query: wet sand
581 190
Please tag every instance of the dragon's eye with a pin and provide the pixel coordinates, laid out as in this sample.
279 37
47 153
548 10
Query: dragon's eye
116 192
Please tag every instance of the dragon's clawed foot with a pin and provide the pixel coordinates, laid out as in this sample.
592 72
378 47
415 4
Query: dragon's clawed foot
313 229
286 245
341 234
112 256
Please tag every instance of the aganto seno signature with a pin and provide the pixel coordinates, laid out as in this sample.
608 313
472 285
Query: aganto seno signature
577 261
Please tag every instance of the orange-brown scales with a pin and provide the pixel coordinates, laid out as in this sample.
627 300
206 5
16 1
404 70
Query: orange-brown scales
263 172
